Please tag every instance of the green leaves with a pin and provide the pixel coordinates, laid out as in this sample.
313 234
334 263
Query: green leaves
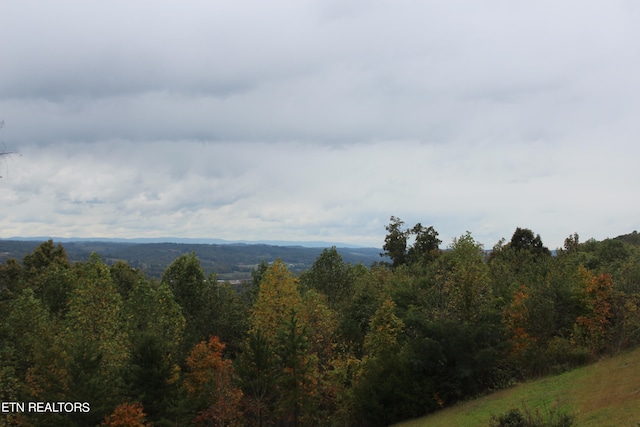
466 279
395 242
151 309
524 240
94 338
424 249
343 345
331 276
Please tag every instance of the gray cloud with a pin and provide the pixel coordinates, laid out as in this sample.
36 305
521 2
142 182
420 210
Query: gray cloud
318 120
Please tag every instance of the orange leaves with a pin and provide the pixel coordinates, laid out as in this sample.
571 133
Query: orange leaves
516 317
209 379
127 415
206 365
600 290
593 327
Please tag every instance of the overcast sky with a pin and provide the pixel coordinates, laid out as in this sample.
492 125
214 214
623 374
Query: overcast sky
318 120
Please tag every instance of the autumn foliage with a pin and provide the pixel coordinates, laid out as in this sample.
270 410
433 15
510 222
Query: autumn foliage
127 415
593 328
338 344
516 318
209 380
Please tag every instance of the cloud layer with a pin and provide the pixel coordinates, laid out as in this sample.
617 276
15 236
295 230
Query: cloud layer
317 120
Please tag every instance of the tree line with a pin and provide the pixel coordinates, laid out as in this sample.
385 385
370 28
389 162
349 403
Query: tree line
227 261
339 344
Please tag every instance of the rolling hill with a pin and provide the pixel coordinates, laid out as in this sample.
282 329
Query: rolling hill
606 393
229 261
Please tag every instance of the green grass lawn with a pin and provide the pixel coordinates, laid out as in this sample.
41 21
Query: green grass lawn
606 393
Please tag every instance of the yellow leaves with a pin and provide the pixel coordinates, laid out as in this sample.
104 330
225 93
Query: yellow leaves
278 294
584 274
631 307
346 369
299 331
322 323
175 374
384 329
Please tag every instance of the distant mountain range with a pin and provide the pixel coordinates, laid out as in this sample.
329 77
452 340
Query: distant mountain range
230 260
197 241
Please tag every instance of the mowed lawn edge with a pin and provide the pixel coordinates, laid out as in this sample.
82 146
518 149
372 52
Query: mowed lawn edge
606 393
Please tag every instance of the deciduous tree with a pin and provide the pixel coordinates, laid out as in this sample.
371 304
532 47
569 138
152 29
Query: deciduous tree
331 276
466 281
48 272
523 240
210 381
384 330
186 279
426 245
516 318
395 242
94 339
278 294
593 328
127 415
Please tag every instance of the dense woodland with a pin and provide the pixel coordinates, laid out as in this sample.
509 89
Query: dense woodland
339 344
227 261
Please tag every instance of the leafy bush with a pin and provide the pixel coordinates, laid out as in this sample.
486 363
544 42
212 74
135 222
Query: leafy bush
525 417
511 418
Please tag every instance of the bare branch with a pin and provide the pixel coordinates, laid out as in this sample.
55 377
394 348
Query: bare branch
4 154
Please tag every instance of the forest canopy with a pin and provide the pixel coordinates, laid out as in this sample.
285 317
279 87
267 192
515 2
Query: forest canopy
339 343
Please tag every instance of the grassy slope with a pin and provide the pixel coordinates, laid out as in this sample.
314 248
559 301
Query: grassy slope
606 393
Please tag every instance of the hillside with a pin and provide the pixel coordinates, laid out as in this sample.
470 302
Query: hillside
632 238
229 261
343 345
606 393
